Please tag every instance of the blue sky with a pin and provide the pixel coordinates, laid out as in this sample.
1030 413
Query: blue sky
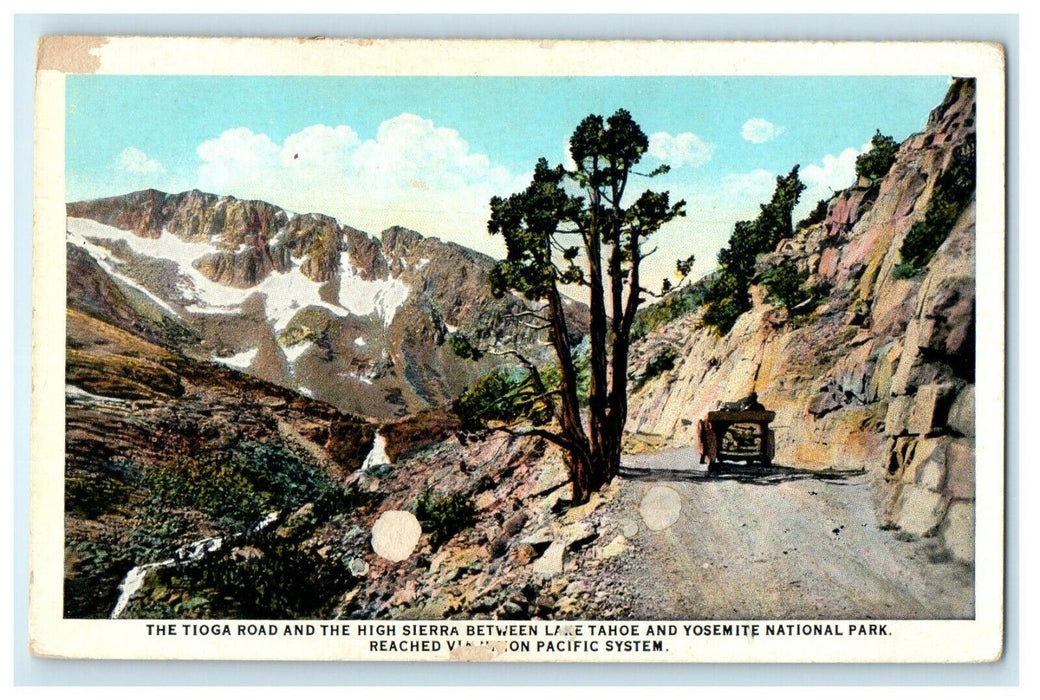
428 152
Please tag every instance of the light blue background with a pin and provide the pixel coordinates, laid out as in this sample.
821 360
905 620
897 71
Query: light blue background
28 28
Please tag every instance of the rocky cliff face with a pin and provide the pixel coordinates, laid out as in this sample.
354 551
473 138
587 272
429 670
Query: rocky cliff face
880 376
296 299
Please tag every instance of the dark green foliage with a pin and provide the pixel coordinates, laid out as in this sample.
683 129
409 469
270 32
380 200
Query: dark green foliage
528 221
442 517
875 163
678 303
725 300
658 365
727 296
818 214
283 580
99 567
952 193
503 394
786 285
231 489
238 486
463 347
91 494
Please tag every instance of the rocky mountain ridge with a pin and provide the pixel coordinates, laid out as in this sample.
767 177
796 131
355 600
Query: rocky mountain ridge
296 299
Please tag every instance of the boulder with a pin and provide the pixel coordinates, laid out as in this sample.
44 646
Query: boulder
898 414
551 563
928 466
577 534
524 554
514 523
553 474
615 547
931 406
881 380
920 510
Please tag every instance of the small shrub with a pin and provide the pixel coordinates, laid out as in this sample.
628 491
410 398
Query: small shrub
725 300
875 163
503 394
674 305
786 286
818 214
442 517
662 362
904 271
286 580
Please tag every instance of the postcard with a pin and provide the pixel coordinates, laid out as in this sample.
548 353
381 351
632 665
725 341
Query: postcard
614 351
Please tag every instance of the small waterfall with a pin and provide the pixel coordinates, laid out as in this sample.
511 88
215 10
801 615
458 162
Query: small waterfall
377 455
132 583
188 554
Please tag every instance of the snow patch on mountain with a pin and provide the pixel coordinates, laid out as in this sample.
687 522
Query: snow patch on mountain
285 293
242 360
295 352
107 263
363 297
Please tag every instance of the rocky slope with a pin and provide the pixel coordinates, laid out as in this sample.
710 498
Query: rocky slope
880 376
296 299
162 451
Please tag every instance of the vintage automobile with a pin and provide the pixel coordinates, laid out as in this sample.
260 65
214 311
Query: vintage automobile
737 432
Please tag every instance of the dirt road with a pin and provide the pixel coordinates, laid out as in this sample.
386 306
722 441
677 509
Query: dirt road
777 543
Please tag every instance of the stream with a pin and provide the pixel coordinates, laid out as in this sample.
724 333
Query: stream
188 554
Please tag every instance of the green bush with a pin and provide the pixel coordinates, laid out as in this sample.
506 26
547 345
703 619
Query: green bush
725 300
503 394
237 486
442 517
875 163
818 214
786 286
658 365
283 580
674 305
508 394
952 193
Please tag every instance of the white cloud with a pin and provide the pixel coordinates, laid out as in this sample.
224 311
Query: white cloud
681 149
412 173
135 161
755 186
759 130
822 179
